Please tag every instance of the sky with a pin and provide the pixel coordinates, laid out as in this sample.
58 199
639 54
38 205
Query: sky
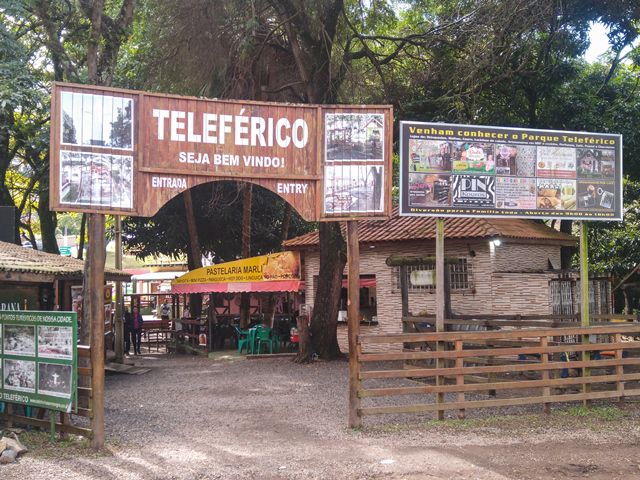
599 42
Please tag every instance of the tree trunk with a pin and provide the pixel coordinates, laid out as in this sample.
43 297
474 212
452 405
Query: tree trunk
304 341
6 119
286 222
83 227
245 298
47 218
194 254
324 321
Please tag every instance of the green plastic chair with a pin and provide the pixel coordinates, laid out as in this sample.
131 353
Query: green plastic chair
244 339
264 337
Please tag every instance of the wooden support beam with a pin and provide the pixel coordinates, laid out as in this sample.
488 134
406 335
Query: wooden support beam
353 318
584 302
440 305
119 322
460 380
95 291
546 391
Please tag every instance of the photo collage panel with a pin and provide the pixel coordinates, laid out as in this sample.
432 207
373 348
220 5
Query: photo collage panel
509 176
354 173
25 352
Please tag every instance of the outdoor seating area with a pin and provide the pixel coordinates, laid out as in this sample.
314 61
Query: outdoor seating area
226 334
257 339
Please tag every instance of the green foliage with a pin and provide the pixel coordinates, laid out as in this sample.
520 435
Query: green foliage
608 414
615 246
218 212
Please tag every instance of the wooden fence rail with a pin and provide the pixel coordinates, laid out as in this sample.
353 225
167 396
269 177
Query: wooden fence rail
514 367
64 421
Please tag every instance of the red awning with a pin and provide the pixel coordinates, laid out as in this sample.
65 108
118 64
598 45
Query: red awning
364 283
234 287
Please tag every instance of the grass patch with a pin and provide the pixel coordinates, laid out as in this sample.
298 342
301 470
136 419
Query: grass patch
606 413
39 445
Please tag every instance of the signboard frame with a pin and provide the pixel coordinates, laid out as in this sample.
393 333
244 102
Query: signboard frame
523 137
60 355
148 169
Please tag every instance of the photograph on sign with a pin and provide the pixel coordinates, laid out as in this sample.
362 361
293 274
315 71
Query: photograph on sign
19 340
475 190
471 157
96 120
595 195
19 375
354 136
521 173
428 190
558 194
431 156
516 193
515 160
596 163
354 188
55 342
556 162
96 179
54 379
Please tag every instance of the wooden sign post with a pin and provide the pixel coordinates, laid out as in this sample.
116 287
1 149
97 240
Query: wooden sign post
440 303
119 323
94 290
353 318
584 301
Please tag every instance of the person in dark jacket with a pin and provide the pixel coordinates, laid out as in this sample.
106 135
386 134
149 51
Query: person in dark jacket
136 333
128 330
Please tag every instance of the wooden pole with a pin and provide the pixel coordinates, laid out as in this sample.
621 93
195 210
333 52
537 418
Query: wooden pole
440 304
353 317
95 291
119 324
584 301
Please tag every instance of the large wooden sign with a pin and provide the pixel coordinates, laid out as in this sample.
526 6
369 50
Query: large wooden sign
126 152
463 170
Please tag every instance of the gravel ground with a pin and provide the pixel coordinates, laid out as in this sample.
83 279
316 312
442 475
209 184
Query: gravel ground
232 418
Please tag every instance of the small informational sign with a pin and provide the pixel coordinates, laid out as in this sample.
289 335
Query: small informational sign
38 359
128 152
422 278
463 170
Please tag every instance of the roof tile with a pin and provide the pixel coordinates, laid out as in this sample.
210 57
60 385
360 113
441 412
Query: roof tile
419 228
15 258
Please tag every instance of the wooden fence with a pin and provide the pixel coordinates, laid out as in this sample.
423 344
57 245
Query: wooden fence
514 367
64 421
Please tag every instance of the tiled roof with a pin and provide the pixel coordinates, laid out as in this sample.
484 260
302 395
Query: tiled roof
419 228
15 258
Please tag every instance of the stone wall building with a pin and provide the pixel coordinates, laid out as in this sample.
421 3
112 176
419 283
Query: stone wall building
500 267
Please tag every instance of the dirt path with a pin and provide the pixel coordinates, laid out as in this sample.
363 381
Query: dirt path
196 418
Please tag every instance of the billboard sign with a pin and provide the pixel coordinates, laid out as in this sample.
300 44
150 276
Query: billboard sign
128 152
273 272
38 359
463 170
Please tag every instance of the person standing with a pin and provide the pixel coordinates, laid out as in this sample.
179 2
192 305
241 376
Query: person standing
136 334
128 330
164 311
